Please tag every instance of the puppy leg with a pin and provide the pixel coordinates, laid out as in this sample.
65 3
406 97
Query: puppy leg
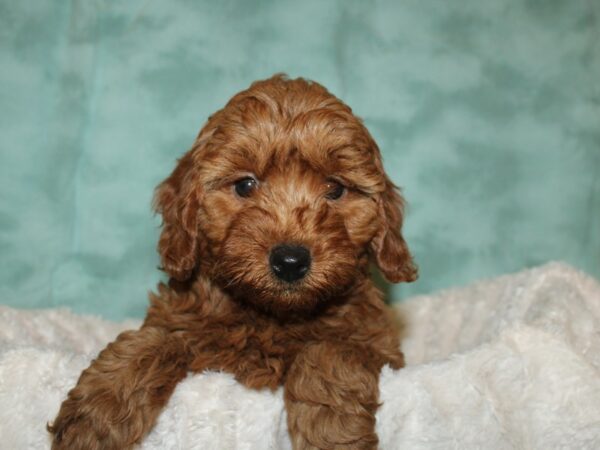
117 399
331 395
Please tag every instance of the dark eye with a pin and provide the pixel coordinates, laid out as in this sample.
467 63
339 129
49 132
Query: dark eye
245 186
335 190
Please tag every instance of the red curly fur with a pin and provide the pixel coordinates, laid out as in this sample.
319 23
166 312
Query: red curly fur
324 338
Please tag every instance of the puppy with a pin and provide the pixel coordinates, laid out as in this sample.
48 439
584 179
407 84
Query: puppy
270 222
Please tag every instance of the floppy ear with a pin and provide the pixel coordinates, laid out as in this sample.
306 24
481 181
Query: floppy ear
177 199
388 246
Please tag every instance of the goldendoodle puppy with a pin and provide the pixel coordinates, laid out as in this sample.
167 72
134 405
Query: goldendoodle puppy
270 223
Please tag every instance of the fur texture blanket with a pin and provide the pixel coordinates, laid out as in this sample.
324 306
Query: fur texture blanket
509 363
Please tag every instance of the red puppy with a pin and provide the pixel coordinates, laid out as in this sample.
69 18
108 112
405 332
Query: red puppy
270 222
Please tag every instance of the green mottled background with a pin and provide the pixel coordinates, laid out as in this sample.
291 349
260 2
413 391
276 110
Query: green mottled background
487 112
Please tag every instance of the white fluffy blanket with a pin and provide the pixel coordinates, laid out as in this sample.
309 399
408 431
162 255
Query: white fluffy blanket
510 363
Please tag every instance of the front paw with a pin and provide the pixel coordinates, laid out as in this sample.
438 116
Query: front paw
75 433
90 426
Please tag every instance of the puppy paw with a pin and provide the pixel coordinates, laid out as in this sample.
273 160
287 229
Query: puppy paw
93 422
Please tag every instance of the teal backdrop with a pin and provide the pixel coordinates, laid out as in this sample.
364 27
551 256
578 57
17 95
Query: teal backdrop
487 113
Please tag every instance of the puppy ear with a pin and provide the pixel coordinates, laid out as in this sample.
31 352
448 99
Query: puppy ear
177 200
388 246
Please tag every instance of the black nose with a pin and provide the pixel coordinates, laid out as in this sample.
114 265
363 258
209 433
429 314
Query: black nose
289 262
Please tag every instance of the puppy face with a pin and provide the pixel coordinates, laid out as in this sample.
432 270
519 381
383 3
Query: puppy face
282 200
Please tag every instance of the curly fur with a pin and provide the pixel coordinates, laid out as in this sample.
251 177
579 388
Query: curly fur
324 338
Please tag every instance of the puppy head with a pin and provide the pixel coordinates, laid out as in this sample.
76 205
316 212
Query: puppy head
282 200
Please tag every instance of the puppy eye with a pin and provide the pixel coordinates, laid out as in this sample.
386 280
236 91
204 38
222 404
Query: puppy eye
245 186
335 190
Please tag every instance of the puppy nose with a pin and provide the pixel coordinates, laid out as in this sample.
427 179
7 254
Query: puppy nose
289 262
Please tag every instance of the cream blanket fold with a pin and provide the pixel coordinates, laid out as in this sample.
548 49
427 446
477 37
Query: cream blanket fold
507 363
